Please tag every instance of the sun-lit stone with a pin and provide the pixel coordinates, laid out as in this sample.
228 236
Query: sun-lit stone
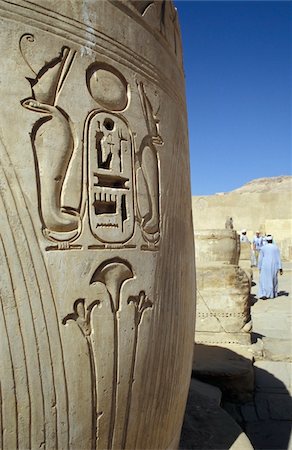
223 320
217 246
262 204
223 289
96 245
223 308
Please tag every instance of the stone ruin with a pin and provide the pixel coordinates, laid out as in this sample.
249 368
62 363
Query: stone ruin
97 310
222 354
223 290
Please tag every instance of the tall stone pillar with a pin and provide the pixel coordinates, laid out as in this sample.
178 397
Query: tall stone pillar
96 244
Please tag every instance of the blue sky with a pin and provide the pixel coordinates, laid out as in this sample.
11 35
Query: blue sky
237 60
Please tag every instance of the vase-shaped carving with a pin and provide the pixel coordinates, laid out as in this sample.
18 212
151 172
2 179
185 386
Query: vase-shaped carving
96 242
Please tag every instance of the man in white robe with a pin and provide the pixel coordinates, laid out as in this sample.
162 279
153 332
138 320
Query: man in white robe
257 244
269 265
243 237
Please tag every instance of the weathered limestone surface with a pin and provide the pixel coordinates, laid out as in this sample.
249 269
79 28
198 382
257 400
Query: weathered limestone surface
245 260
245 253
96 316
217 246
223 288
223 321
223 309
263 204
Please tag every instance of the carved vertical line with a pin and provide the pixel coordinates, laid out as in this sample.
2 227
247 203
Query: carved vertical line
129 398
48 307
82 317
17 358
175 307
7 374
26 318
33 287
166 288
93 392
113 273
169 288
114 383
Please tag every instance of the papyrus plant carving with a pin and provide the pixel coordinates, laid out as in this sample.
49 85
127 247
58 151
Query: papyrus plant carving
141 302
82 317
113 273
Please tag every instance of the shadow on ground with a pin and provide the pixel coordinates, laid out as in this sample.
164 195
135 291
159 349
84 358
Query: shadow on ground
256 336
265 416
283 293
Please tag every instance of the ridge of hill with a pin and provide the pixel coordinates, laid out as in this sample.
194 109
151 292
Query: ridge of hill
274 184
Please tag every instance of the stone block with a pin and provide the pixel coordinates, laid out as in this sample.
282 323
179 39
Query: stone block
245 252
280 407
222 298
272 376
222 339
275 349
231 372
249 412
269 434
216 246
207 426
262 406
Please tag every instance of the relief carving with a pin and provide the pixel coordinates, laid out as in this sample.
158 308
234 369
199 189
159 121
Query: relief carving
82 317
92 329
107 86
109 148
110 157
141 5
148 175
54 143
162 16
112 274
110 181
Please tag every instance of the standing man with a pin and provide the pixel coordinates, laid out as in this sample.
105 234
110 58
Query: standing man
269 265
257 244
243 236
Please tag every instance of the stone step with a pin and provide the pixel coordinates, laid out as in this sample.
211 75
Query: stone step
275 349
273 376
229 368
207 426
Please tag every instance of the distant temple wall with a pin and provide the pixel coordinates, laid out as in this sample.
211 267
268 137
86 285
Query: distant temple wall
267 212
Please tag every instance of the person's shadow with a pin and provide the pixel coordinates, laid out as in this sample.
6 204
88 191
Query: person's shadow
283 293
253 298
264 414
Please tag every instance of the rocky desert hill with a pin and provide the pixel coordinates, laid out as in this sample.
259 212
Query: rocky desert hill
274 184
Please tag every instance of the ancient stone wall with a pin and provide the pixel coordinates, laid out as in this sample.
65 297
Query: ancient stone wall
268 210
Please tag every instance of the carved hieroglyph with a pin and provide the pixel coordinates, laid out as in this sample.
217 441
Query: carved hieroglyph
97 263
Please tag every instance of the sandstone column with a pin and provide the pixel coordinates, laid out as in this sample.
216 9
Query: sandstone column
96 242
